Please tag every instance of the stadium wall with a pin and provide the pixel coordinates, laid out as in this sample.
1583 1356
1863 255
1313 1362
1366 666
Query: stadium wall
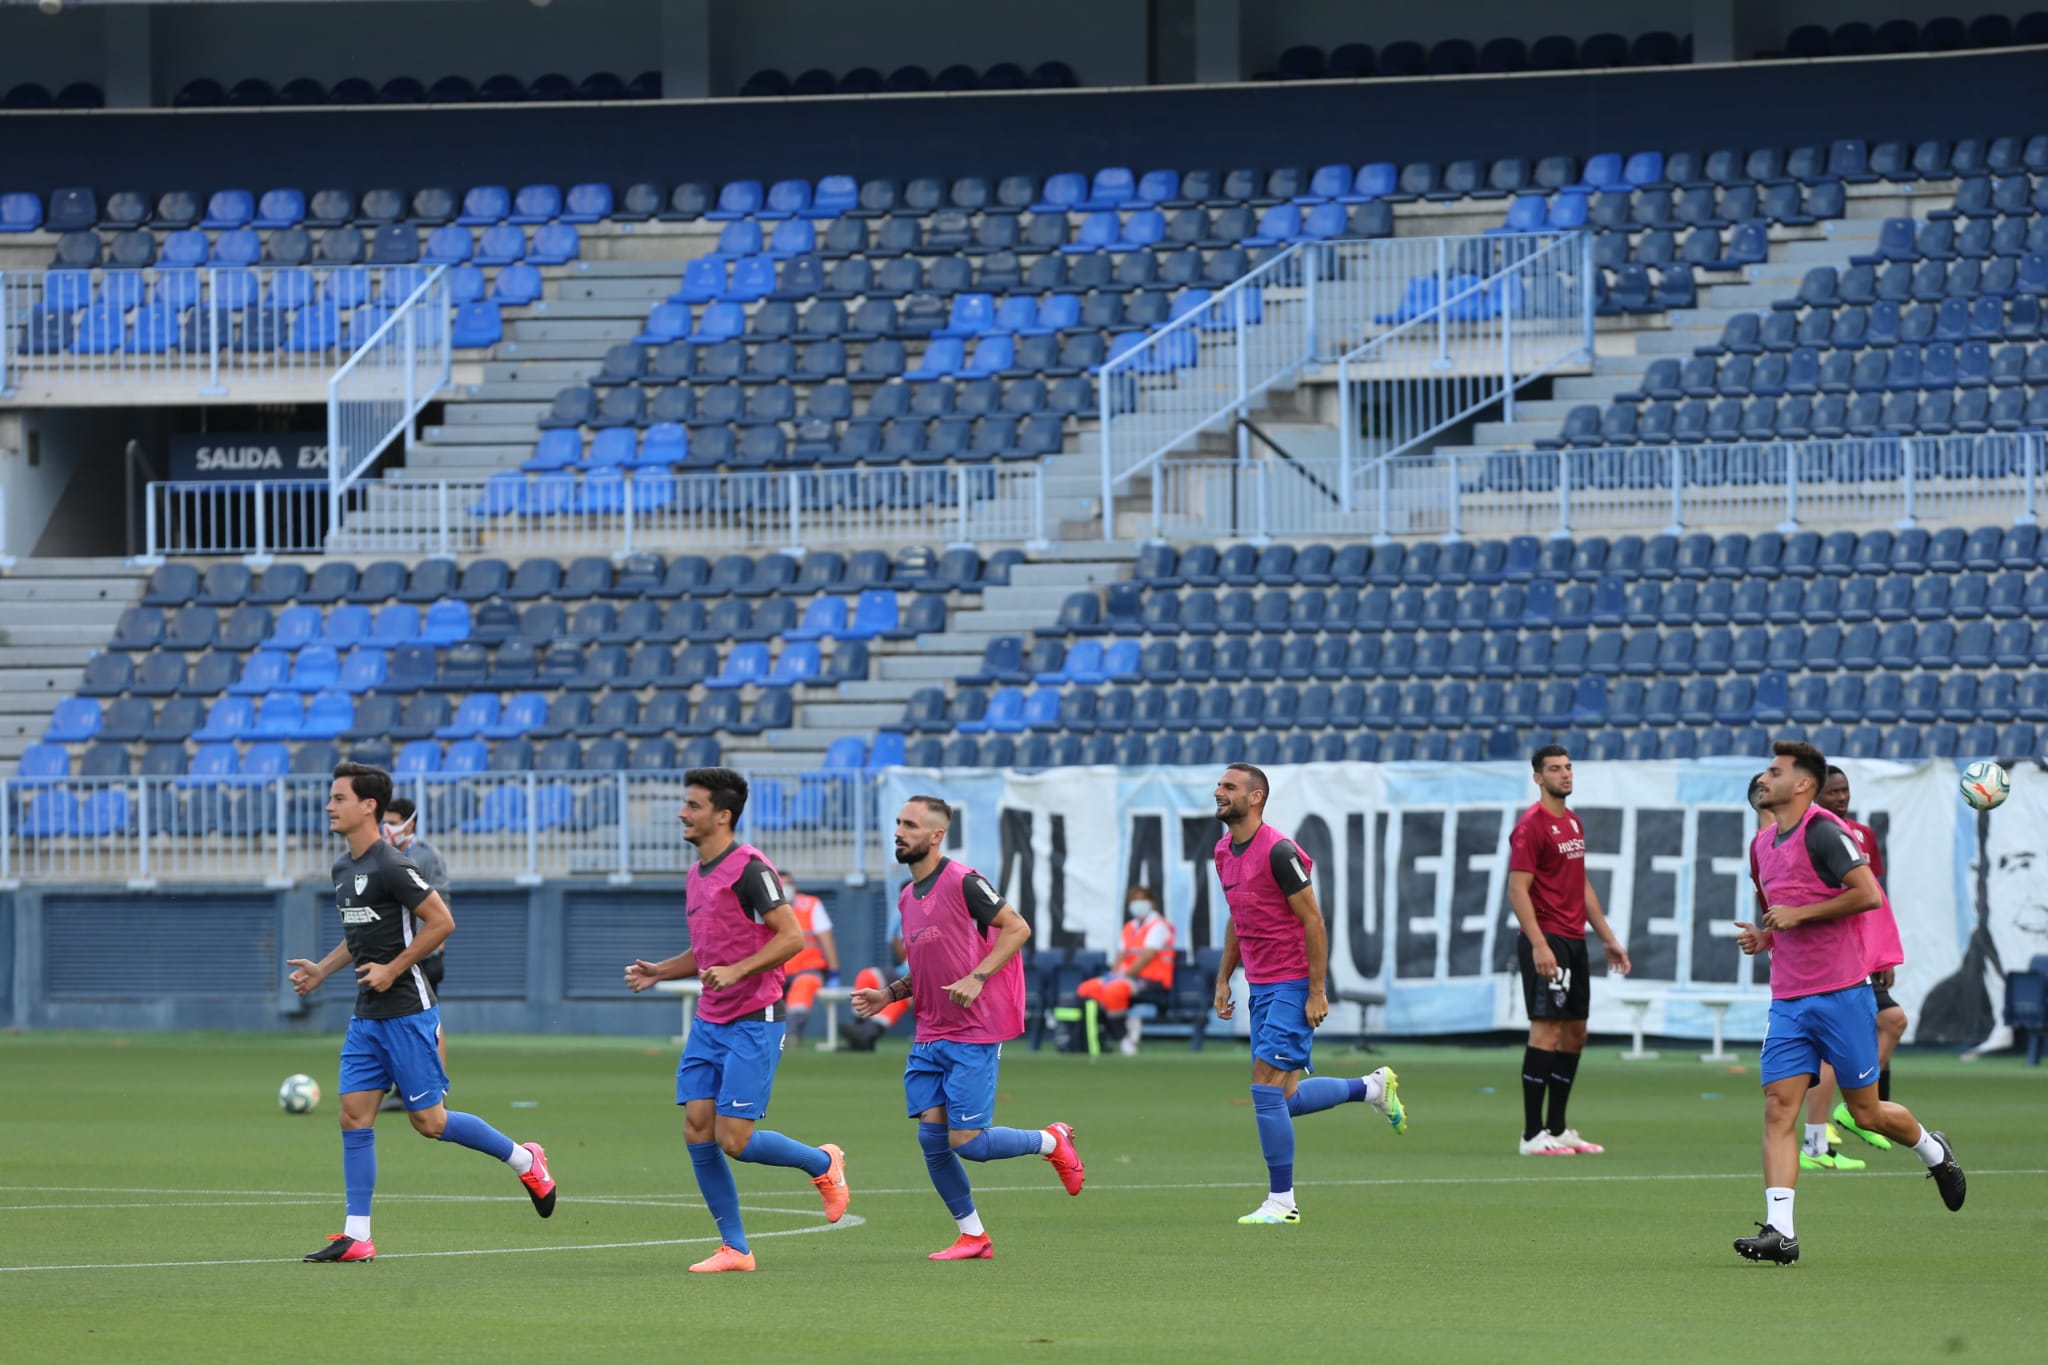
1040 133
541 959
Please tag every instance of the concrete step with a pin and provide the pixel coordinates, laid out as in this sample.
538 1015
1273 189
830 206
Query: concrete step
496 410
614 309
21 688
1747 297
1587 389
585 351
503 433
649 280
1519 433
122 590
61 567
986 623
560 373
540 391
47 612
848 715
896 692
924 668
45 656
80 636
604 331
463 462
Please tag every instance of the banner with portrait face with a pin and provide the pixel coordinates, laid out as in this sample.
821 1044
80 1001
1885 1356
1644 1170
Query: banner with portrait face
1412 865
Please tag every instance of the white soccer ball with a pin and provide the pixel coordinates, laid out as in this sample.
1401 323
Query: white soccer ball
1985 785
298 1095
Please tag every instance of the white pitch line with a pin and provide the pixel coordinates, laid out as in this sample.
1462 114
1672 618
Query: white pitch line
849 1221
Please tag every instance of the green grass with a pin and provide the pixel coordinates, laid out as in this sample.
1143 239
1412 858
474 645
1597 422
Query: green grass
1438 1245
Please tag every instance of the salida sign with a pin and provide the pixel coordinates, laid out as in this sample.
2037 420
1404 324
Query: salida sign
239 455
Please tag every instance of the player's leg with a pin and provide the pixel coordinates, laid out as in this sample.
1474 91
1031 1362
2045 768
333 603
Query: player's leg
1281 1041
753 1052
1539 1056
1788 1063
422 1083
801 994
1891 1026
698 1077
1574 1009
1847 1021
365 1075
1819 1143
969 1084
924 1099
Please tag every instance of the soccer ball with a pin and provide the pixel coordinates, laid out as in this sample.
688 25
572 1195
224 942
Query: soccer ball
298 1095
1985 785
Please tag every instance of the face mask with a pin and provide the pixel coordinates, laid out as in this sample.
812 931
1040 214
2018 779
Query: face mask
1140 909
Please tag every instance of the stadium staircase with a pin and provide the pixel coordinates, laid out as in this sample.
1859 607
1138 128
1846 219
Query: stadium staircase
54 615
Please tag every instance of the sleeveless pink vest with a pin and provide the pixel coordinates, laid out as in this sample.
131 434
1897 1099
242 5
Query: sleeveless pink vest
1269 936
721 934
942 944
1833 955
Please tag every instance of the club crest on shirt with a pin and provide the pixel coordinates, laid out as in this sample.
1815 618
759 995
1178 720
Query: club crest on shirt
362 884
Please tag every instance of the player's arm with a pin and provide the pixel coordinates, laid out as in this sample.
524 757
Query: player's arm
1859 893
435 925
761 896
640 973
990 912
1224 970
306 976
1596 916
1525 915
1749 938
1316 940
872 1000
828 944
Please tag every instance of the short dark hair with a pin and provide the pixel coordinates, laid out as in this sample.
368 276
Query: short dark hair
1754 784
728 789
401 808
369 783
1805 758
1545 754
1833 771
937 805
1255 773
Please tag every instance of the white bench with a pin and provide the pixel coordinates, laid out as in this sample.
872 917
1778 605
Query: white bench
690 988
1639 1007
1720 1009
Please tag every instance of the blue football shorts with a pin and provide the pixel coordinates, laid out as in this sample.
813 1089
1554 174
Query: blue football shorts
1281 1036
957 1077
377 1054
733 1064
1837 1027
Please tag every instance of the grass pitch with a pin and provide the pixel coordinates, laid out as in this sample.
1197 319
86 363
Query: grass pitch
154 1203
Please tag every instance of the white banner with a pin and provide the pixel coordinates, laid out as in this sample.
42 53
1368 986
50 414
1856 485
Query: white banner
1411 872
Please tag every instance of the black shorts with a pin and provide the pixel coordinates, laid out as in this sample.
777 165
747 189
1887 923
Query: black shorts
1568 1000
1884 997
431 969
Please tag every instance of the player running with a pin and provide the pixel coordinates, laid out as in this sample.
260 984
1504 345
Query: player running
961 940
1827 926
391 1040
741 932
1277 928
1554 900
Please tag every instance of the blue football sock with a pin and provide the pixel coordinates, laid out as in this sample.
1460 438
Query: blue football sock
1000 1144
766 1148
1276 1135
467 1130
721 1196
949 1177
359 1168
1318 1093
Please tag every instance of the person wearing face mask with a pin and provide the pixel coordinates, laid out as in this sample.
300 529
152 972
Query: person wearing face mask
401 831
1144 966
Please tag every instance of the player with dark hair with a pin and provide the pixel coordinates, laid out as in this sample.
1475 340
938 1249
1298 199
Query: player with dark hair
1277 929
1827 926
961 940
391 1039
1823 1110
741 932
1553 901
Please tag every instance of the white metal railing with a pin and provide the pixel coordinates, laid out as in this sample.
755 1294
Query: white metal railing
375 395
522 826
637 510
1464 313
213 331
1783 484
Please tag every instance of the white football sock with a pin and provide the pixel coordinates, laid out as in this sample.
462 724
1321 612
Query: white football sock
1816 1139
970 1226
1778 1209
1375 1088
356 1227
1281 1199
521 1160
1046 1142
1928 1150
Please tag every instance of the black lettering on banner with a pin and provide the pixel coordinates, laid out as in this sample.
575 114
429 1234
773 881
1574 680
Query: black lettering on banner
1422 836
1478 841
1378 914
1715 894
1019 881
1312 837
1362 930
1147 863
1659 833
1198 836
